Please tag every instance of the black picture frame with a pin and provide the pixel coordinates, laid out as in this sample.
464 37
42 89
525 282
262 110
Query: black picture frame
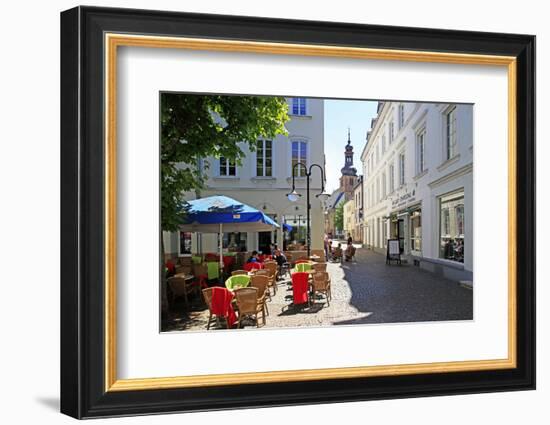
83 392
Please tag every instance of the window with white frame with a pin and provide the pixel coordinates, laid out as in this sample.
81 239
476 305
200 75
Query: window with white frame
392 178
299 106
228 167
420 151
383 144
450 133
451 234
299 154
383 185
401 169
391 132
184 246
377 189
233 241
264 158
416 230
401 116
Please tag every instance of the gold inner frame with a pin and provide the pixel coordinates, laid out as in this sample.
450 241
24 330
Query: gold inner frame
113 41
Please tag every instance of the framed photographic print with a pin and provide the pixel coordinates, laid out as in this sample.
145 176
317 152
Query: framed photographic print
261 212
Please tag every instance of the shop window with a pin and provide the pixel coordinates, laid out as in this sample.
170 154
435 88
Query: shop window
451 239
416 230
234 241
297 236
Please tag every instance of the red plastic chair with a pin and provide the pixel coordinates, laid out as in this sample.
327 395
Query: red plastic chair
171 267
211 257
250 266
300 286
221 305
201 280
228 261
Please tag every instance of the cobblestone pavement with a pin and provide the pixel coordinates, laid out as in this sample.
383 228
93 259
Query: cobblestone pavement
363 291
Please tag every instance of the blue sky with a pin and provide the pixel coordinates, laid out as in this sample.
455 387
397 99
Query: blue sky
339 115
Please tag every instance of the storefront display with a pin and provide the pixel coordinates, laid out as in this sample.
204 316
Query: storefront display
451 239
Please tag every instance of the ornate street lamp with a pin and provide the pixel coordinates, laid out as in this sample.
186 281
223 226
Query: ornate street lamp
293 196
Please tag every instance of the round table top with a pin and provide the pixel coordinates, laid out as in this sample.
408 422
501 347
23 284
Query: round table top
185 276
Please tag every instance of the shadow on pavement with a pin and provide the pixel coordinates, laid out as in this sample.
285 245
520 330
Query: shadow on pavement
391 294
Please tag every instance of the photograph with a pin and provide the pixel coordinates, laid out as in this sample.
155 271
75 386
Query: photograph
293 212
298 187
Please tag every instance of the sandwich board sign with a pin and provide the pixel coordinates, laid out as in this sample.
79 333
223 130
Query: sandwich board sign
393 253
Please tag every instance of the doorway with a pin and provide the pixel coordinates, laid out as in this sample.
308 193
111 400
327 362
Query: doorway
398 232
264 241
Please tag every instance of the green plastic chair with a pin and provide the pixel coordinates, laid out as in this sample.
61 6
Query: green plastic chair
213 270
196 259
237 281
302 267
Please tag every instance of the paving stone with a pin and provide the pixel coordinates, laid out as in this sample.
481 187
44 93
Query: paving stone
363 291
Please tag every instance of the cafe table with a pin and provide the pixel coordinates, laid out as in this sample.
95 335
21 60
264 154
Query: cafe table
185 279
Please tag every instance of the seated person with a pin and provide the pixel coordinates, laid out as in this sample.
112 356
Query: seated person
253 258
279 257
281 260
350 252
337 252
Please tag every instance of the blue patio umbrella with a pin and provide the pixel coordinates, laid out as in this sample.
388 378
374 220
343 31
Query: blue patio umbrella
287 227
218 214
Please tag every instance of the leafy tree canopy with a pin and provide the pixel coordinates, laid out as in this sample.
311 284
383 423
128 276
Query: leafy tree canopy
339 217
194 127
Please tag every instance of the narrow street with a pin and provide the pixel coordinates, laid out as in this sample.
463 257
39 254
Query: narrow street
392 293
363 291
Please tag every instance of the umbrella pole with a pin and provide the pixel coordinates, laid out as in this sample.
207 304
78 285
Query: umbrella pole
221 251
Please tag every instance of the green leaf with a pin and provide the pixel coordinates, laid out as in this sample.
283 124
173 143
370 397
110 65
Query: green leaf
194 127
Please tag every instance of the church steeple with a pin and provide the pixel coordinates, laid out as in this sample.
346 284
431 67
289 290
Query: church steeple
349 169
349 172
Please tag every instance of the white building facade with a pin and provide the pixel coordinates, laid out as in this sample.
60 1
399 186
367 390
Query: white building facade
263 180
418 185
